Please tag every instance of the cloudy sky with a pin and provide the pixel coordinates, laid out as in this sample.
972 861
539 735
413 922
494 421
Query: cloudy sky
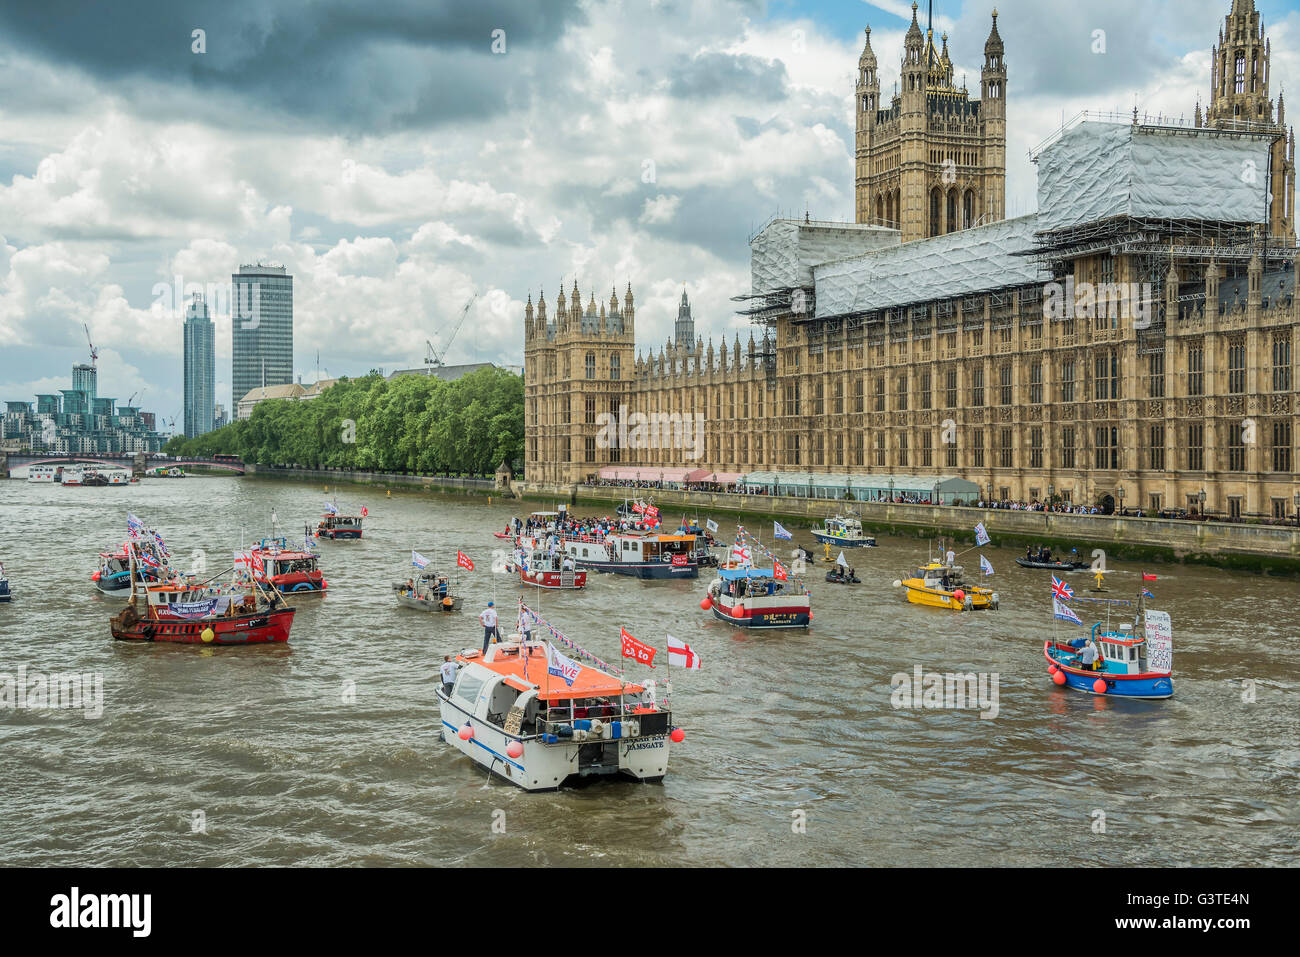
398 164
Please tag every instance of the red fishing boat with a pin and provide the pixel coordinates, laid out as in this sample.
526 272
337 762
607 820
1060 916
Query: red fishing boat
536 566
183 612
272 562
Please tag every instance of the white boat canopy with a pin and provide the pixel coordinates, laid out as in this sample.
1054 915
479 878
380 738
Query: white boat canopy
946 489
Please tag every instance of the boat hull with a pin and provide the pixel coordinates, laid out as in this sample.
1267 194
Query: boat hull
775 615
253 629
647 570
340 535
298 584
823 538
933 598
560 580
5 594
1150 685
547 766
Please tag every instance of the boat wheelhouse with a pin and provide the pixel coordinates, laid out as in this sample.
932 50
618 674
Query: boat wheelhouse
286 569
339 527
43 474
845 530
536 566
941 585
114 573
750 597
638 554
430 591
509 714
544 521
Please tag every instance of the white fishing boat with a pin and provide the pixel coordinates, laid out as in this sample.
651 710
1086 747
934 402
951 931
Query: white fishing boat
537 719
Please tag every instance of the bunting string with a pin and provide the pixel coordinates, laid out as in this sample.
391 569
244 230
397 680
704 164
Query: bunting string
566 641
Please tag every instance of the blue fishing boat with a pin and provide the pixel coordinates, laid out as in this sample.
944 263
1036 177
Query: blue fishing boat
1118 662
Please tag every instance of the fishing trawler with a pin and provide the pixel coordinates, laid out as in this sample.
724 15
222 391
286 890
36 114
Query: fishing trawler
114 572
639 554
337 527
943 585
539 727
1119 662
536 566
186 613
845 530
749 597
272 562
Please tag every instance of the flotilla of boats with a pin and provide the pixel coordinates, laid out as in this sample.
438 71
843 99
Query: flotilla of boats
534 715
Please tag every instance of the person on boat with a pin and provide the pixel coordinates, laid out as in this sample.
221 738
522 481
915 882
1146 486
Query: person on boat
489 621
568 563
1088 656
448 671
1029 553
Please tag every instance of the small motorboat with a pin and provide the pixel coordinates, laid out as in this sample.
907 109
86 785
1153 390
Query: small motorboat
276 564
943 585
842 576
845 531
1052 564
430 591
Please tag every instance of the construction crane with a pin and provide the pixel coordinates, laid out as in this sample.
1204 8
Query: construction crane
435 358
94 353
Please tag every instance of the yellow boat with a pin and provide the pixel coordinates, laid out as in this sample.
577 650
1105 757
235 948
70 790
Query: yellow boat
937 585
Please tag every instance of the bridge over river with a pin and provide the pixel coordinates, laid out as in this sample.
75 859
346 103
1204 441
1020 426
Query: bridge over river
15 464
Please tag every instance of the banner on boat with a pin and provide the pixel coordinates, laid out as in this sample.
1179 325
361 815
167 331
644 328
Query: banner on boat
1160 642
680 654
190 610
561 666
418 560
1064 612
711 525
986 566
981 535
464 561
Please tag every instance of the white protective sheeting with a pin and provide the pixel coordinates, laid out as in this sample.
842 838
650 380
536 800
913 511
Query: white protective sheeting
1096 171
959 264
783 253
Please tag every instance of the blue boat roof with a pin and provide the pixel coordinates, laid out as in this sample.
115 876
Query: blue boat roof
731 574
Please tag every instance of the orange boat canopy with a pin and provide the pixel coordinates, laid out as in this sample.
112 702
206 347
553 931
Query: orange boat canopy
590 682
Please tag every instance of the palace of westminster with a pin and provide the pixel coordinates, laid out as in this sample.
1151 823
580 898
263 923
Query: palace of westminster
927 338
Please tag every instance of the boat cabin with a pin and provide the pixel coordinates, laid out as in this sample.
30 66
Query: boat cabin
650 548
341 522
942 577
1122 651
842 527
746 582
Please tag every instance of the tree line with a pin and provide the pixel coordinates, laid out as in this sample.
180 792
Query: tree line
412 423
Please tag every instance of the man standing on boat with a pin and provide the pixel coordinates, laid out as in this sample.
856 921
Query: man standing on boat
489 620
448 671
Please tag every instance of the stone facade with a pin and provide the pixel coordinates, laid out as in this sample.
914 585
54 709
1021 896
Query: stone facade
1109 409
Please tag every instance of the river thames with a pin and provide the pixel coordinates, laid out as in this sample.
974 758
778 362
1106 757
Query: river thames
794 754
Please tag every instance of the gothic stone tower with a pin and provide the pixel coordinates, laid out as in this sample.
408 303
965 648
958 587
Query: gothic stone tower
576 366
935 161
684 327
1239 78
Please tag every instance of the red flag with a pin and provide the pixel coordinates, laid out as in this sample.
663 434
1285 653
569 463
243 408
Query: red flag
636 650
1148 578
463 560
364 511
652 513
778 571
638 508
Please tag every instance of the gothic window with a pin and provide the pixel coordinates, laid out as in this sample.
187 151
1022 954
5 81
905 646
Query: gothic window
614 367
1237 366
1156 375
1282 446
968 210
1241 73
1067 447
1236 450
1196 447
1281 364
952 211
1196 370
934 212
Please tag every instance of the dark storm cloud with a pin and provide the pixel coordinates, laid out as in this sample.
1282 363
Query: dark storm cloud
707 75
368 67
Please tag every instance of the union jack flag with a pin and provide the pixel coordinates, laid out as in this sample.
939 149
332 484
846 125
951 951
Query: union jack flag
148 560
1061 590
1146 593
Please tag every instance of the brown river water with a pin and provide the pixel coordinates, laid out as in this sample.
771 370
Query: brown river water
794 752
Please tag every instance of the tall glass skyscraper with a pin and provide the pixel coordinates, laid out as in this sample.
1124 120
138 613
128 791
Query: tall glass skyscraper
261 329
83 378
200 368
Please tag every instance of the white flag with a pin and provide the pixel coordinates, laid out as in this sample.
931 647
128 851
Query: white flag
711 525
418 560
986 566
680 654
841 561
981 536
561 666
779 531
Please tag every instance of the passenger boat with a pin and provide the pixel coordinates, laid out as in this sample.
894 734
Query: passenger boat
5 594
93 478
750 597
430 591
71 474
1128 665
845 530
175 611
536 566
43 474
288 570
339 527
508 712
941 585
639 554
